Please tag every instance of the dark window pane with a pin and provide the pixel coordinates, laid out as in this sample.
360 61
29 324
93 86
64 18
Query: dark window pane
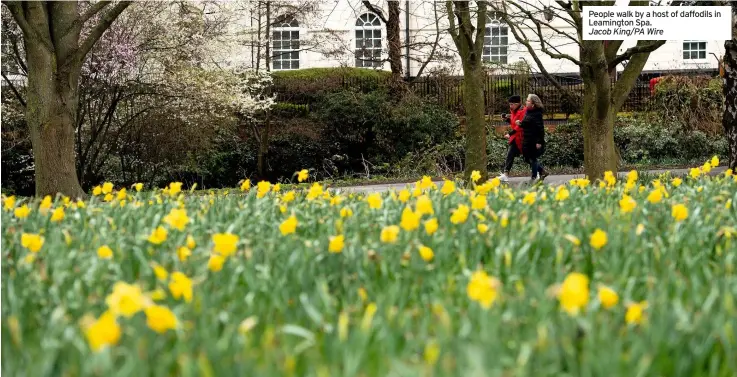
504 41
376 21
495 41
295 35
702 45
495 31
294 45
685 45
504 31
495 50
359 34
694 46
277 64
295 55
694 55
487 32
377 33
359 22
377 53
503 51
504 59
276 35
487 41
702 54
295 64
487 51
686 55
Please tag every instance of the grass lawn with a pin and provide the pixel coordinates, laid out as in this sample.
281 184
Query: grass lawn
626 278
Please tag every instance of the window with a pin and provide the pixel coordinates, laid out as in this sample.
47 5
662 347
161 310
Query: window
285 44
368 41
694 50
495 40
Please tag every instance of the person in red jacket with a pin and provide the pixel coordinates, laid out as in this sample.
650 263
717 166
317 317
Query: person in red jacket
653 82
515 134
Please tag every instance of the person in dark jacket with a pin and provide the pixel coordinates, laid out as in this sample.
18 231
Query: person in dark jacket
533 144
516 112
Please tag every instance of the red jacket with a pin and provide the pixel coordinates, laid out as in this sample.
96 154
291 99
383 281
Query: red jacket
517 134
653 82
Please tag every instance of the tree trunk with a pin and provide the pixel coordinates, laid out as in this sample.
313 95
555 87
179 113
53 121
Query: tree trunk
473 103
51 111
729 119
263 148
598 119
397 85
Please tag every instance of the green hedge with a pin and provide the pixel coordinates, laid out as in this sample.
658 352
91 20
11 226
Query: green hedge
328 73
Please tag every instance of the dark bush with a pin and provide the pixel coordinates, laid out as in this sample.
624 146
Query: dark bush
639 140
371 127
695 103
309 85
17 154
564 146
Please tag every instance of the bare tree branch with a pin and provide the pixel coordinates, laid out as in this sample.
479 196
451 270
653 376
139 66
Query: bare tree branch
452 30
100 28
610 51
376 10
627 80
541 37
16 9
480 26
640 48
435 45
15 91
522 38
463 13
93 10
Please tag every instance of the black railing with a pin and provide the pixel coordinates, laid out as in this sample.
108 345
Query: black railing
448 91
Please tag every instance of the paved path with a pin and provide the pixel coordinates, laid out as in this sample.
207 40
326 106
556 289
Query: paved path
520 181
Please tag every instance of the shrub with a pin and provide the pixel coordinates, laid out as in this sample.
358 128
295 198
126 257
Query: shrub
289 110
693 102
309 85
369 126
640 140
17 154
564 146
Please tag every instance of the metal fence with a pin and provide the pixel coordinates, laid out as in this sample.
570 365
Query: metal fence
448 91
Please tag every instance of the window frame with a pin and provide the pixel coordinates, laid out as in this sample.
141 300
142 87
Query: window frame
373 24
697 50
286 24
493 21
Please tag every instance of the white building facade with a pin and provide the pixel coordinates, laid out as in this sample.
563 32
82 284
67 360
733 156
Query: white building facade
339 33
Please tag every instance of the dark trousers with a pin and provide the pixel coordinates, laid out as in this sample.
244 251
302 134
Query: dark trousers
535 165
512 153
